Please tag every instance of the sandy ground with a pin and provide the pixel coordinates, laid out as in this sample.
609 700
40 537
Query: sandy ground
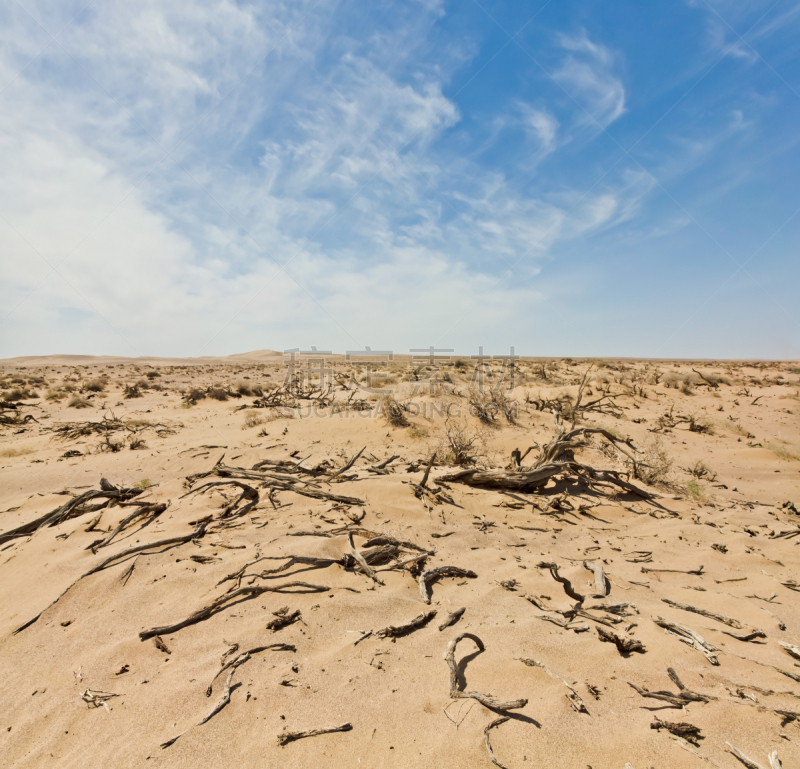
717 535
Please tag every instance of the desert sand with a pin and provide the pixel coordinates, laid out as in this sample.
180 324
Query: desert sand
653 492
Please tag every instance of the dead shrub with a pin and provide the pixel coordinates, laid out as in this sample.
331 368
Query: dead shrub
482 406
16 452
461 445
132 391
78 402
252 419
655 465
218 393
394 411
417 431
193 395
245 388
111 446
19 395
700 425
95 386
701 470
489 405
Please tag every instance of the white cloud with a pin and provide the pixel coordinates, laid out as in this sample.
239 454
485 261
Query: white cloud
587 77
324 165
542 124
581 43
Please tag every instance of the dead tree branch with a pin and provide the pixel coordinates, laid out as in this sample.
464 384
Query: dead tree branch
456 693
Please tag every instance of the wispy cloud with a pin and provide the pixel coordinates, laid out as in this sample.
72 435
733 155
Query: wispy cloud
216 176
587 75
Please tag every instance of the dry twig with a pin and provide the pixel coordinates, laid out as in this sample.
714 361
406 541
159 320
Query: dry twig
428 577
224 601
489 727
287 737
456 693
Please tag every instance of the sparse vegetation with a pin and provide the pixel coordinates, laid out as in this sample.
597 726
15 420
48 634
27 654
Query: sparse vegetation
16 452
252 419
696 492
604 499
19 395
700 470
782 451
218 393
132 391
655 464
461 444
394 411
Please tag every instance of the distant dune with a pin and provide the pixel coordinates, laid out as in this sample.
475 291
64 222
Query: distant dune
152 360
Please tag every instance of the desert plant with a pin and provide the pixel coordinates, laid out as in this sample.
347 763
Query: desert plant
699 425
252 419
781 451
19 394
132 391
218 393
394 411
461 445
486 405
95 386
417 431
695 491
193 395
78 402
654 465
245 388
701 470
15 452
111 446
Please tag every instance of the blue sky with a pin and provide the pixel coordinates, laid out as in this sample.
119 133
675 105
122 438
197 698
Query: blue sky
571 178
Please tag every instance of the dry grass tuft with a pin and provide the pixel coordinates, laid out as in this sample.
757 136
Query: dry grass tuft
461 445
252 419
132 391
15 452
394 411
18 394
696 491
245 388
782 451
655 467
218 393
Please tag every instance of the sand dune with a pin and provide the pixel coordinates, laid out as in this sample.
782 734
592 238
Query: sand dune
705 537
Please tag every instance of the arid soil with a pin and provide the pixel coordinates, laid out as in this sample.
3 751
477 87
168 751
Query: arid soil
632 580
